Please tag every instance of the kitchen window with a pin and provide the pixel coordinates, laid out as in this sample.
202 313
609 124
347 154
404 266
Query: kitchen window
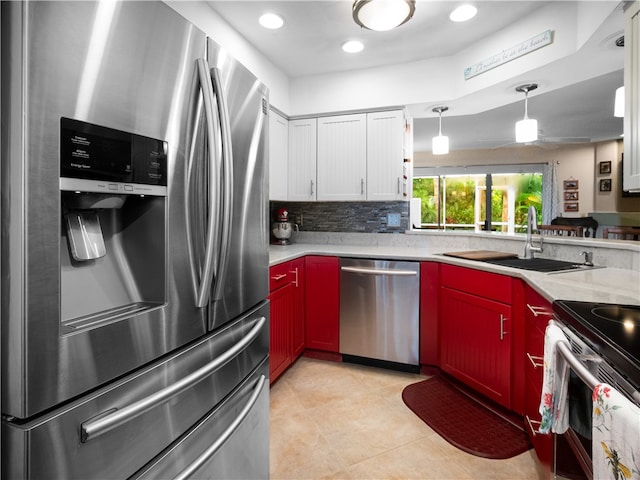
493 198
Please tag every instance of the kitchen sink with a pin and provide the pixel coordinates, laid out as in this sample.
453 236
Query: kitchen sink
545 265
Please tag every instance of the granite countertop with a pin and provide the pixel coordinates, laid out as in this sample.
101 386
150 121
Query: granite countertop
606 285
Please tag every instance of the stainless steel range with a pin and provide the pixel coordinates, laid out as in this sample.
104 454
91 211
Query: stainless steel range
604 348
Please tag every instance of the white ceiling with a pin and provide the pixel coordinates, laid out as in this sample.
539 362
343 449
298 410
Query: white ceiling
309 44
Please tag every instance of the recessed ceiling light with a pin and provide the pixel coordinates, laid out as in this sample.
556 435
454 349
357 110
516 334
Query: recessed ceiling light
271 21
463 13
352 46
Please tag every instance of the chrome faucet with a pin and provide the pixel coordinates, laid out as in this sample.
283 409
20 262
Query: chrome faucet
532 224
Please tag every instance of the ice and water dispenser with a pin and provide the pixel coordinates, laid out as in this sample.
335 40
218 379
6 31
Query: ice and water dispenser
113 250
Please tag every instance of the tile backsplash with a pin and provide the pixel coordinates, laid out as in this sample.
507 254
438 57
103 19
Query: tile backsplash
360 217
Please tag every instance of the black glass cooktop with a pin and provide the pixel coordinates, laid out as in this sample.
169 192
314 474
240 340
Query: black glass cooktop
613 331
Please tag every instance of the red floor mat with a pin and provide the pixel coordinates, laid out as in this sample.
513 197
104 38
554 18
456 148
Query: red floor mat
463 421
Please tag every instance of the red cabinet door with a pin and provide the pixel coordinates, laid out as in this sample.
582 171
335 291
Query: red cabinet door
322 276
281 312
476 344
297 272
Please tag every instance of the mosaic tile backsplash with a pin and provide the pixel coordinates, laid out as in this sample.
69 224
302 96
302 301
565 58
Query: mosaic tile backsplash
360 217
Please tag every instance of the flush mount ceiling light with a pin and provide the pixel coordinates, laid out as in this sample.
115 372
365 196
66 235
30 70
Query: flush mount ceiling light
618 108
440 144
382 15
271 21
463 13
527 128
352 46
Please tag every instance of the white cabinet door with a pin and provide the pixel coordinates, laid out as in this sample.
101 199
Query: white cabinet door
278 154
342 157
631 173
302 160
385 139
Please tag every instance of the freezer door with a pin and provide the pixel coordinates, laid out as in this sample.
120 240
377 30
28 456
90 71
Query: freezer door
241 277
116 431
229 443
129 66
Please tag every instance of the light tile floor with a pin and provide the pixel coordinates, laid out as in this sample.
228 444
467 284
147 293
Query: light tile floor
343 421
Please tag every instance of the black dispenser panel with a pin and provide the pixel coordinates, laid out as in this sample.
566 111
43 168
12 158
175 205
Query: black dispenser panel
96 153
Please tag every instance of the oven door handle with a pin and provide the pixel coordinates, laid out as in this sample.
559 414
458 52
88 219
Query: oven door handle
107 421
230 430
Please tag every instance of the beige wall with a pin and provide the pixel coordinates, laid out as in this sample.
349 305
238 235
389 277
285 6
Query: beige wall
575 162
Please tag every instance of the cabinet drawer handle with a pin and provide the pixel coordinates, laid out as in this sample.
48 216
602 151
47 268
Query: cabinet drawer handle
535 361
531 424
295 272
279 277
362 186
311 187
537 311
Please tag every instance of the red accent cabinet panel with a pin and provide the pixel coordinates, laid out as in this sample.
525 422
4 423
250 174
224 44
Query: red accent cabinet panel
322 327
429 300
297 270
477 282
538 312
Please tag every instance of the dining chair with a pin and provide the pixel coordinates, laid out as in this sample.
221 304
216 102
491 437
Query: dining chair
622 233
562 230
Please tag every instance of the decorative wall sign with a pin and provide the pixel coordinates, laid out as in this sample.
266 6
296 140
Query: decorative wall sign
534 43
570 184
605 167
605 185
571 207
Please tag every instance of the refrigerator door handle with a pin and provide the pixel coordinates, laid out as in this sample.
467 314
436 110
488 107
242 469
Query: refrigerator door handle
102 423
227 189
206 278
230 430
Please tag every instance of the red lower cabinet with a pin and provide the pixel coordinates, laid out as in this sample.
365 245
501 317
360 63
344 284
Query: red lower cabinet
287 312
322 327
281 312
476 330
538 312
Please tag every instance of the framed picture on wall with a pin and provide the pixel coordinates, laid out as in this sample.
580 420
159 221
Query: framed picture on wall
571 196
570 184
571 207
605 185
605 168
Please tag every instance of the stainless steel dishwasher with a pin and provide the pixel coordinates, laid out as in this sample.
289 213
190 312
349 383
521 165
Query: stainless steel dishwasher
379 317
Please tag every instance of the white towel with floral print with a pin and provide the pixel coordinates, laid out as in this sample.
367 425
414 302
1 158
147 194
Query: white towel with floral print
616 435
554 409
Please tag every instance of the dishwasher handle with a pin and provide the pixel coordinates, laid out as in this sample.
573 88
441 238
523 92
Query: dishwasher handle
379 271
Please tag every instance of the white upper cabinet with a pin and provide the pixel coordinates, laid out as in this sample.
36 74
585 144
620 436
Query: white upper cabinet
385 141
278 155
342 157
301 171
631 173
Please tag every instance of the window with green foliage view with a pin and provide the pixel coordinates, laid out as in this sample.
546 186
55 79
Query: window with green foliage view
460 201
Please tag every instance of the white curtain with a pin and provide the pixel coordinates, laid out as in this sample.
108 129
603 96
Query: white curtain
550 195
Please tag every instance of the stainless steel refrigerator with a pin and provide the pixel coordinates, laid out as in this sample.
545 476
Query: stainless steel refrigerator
134 247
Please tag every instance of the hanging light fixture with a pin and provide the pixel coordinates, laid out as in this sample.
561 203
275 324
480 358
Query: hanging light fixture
382 15
527 128
440 144
618 108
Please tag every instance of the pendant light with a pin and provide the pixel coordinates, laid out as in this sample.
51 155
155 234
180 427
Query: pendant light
527 128
618 108
440 144
382 15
